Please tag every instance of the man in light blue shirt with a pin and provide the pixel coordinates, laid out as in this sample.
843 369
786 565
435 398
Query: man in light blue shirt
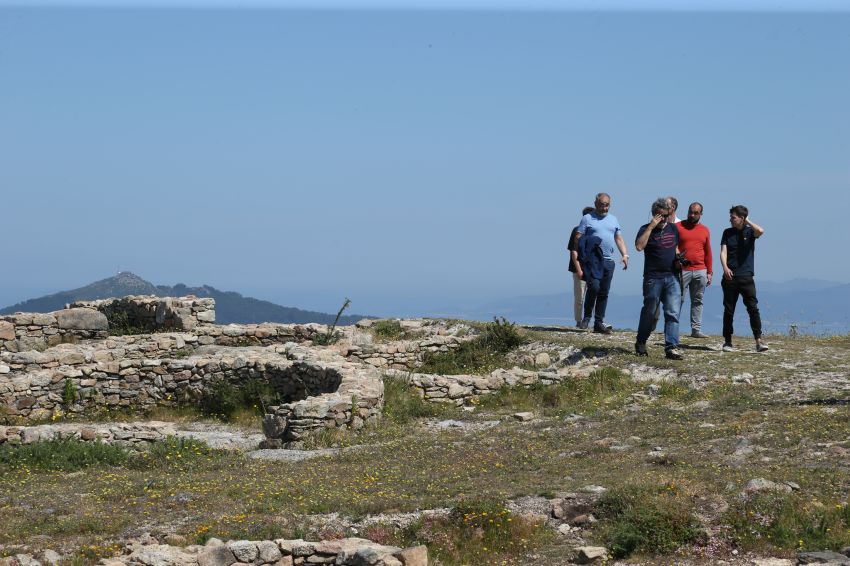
601 223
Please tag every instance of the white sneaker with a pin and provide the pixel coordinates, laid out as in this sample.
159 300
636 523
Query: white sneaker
761 347
728 347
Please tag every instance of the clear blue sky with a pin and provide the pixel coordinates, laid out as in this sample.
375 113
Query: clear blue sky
406 156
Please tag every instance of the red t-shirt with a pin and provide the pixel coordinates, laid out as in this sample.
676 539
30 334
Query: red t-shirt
694 241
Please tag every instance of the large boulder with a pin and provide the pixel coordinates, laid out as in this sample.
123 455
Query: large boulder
81 319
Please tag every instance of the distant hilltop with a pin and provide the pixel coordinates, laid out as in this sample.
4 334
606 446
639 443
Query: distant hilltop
231 307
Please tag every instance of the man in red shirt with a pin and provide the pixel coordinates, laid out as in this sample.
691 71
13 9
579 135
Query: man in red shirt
696 275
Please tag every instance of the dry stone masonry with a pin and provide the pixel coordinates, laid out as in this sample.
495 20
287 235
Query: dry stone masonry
149 313
21 332
136 436
280 552
65 362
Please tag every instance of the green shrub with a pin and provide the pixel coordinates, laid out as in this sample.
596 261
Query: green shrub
119 324
69 392
67 455
388 330
501 336
636 519
220 399
223 400
481 355
331 336
402 403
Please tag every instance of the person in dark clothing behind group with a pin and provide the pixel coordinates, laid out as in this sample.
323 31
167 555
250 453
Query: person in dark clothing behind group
575 268
607 228
659 240
737 255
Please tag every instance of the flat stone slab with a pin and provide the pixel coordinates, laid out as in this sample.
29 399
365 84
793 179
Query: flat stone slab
81 319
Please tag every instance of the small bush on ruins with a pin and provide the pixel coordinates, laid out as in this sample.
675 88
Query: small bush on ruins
120 325
788 520
481 355
403 403
501 335
646 520
69 392
223 400
387 330
61 455
332 336
220 399
477 531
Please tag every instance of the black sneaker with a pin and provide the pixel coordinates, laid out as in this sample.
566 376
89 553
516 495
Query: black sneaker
583 324
673 354
640 349
602 329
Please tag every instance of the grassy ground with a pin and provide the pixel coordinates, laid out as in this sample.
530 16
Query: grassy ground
790 423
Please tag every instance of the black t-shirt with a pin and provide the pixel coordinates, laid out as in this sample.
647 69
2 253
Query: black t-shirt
573 246
740 251
660 250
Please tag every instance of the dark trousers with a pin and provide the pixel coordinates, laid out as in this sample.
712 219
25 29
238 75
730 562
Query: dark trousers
596 296
746 288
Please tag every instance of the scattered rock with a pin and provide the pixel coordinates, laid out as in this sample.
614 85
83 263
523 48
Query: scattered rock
588 554
758 485
823 557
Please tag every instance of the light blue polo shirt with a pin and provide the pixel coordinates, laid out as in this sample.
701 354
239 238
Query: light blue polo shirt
606 227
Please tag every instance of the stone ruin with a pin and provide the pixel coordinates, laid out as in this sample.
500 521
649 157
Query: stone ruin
67 361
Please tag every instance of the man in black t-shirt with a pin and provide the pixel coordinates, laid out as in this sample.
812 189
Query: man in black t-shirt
579 285
659 240
737 251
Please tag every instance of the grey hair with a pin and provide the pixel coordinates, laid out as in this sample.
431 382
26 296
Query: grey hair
600 195
659 205
674 202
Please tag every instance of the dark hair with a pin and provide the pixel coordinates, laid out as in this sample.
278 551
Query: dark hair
699 204
659 204
587 210
739 210
674 202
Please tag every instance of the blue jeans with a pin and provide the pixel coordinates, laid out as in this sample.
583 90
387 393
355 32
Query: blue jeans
664 289
596 296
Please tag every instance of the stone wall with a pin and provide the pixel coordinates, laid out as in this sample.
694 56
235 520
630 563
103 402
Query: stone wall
20 332
148 312
404 354
319 387
280 552
465 389
137 436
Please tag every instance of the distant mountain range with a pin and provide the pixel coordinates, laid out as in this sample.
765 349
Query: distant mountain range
813 306
230 307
